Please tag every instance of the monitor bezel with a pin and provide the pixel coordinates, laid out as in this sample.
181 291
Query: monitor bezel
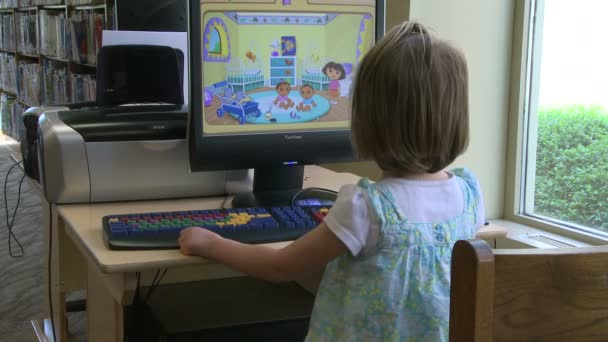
257 150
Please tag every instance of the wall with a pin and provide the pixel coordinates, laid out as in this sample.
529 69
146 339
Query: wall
483 29
341 38
396 12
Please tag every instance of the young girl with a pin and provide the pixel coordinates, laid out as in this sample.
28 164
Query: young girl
387 246
335 72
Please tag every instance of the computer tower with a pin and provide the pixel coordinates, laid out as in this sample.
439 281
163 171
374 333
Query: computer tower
152 15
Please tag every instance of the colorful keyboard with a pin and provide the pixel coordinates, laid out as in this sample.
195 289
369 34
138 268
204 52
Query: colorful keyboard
250 225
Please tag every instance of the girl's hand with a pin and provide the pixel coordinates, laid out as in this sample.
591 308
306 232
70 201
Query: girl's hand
196 241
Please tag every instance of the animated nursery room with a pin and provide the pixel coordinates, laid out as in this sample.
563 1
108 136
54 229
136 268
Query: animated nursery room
281 67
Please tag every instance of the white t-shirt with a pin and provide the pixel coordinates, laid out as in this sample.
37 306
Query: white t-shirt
354 221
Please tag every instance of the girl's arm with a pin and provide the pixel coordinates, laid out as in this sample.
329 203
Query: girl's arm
309 253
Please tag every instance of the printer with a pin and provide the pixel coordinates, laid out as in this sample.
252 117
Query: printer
128 145
121 153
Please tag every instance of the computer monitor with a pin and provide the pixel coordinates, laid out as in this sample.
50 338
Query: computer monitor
270 87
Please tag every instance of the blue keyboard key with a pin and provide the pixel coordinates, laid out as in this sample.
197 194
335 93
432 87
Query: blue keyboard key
119 232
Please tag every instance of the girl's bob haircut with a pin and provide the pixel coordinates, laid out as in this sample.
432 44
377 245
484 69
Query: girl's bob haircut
410 109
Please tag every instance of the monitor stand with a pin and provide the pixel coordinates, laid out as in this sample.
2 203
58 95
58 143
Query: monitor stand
274 187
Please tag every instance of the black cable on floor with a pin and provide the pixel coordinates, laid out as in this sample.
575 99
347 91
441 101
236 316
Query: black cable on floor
9 225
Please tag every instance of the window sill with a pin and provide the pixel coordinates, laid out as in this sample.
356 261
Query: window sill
523 235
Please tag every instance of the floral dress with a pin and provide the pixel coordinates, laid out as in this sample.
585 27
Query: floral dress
401 291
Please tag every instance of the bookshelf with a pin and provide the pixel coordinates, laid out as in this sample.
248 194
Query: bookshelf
48 53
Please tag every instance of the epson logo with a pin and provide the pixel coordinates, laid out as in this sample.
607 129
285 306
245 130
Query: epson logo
293 137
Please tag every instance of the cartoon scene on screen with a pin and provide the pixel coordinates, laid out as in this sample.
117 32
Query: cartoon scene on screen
281 68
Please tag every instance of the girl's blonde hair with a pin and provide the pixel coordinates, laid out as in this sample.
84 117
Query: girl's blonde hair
410 110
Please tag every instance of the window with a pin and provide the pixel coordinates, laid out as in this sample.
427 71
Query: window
565 149
216 40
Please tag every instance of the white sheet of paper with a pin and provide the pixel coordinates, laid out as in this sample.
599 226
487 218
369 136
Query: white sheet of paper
176 40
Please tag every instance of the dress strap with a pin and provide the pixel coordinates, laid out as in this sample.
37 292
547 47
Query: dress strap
470 188
383 202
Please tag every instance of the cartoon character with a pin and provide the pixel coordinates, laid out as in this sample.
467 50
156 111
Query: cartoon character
283 100
307 103
268 114
335 72
250 55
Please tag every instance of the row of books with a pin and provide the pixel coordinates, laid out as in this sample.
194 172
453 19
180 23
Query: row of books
77 38
61 87
7 32
8 72
26 33
83 88
84 2
8 3
87 27
54 34
55 83
29 3
10 115
28 83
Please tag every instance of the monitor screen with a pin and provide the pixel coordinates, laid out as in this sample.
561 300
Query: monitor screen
271 80
289 70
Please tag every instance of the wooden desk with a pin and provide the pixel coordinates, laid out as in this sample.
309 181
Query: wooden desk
80 259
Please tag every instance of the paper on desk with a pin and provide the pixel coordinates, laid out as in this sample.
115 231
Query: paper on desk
176 40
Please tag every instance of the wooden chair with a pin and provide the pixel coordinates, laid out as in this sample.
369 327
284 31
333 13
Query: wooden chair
528 294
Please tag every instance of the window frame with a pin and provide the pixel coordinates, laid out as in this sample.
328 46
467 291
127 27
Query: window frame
218 25
522 119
